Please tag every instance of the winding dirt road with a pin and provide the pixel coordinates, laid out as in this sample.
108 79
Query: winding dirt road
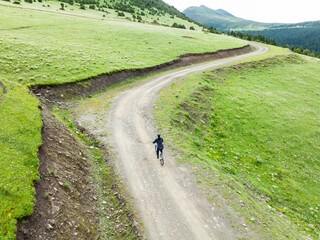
169 202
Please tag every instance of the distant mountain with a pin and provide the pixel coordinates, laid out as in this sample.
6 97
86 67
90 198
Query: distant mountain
305 34
221 19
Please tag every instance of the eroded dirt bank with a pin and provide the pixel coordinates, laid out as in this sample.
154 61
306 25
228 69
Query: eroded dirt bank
88 87
66 197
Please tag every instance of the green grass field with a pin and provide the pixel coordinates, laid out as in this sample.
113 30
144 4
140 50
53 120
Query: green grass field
256 127
44 47
38 46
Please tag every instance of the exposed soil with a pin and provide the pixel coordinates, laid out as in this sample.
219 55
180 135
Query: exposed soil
65 194
50 94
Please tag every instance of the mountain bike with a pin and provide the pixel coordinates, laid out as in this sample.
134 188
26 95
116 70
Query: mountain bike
160 155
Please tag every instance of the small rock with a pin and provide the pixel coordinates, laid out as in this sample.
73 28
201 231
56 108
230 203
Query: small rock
49 227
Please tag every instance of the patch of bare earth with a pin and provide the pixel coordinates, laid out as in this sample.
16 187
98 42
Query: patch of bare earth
65 194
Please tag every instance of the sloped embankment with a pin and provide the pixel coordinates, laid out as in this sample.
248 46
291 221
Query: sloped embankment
67 203
88 87
65 207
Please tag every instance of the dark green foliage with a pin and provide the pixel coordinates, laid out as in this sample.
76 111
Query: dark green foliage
154 7
305 35
82 6
67 1
177 25
28 1
92 6
300 35
62 6
125 7
257 38
121 14
87 1
192 28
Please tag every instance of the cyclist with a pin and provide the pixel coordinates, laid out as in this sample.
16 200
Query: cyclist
159 142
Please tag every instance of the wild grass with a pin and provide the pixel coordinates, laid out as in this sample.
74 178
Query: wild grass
20 138
254 128
48 48
104 13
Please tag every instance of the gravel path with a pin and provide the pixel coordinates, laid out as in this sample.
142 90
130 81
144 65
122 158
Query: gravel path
169 202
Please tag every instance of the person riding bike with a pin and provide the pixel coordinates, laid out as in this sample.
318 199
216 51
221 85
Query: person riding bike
159 142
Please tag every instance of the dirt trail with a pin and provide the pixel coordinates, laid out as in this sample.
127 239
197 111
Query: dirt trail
168 200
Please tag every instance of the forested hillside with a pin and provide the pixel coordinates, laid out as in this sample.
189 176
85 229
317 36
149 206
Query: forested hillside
154 7
303 35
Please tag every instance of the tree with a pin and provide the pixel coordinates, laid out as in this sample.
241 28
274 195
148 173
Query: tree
298 50
306 52
62 6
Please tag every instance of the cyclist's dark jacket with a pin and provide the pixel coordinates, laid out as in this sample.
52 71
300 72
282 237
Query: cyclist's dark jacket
159 142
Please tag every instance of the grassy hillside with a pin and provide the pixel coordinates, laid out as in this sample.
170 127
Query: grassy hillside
41 47
45 45
254 130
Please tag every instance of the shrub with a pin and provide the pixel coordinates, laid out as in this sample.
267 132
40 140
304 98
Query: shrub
177 25
92 6
121 14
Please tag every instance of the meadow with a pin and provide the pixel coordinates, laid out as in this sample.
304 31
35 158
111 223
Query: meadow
253 128
48 46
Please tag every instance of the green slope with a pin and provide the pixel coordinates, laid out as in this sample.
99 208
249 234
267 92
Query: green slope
253 131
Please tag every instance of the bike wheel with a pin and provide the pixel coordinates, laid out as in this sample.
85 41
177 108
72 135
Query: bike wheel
161 160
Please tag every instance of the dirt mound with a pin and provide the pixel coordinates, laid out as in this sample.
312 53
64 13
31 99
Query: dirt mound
65 194
85 88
